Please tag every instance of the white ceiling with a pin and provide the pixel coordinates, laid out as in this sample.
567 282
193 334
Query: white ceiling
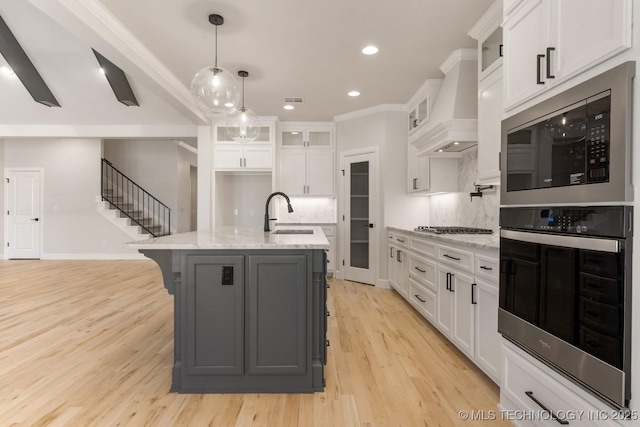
304 48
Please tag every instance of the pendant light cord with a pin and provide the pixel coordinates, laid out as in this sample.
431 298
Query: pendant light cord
243 94
216 52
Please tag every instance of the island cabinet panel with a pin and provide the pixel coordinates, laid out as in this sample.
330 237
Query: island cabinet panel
214 318
278 318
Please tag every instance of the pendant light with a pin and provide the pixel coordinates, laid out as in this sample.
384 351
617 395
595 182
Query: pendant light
244 124
214 89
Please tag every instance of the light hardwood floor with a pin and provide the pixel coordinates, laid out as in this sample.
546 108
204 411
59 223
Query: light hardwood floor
90 343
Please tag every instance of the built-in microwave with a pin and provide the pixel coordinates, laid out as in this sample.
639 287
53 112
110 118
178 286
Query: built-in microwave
574 147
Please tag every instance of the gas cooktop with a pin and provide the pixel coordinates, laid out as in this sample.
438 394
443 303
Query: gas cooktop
452 230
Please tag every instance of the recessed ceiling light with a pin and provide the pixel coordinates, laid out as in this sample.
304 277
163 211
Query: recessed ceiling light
289 107
294 133
456 143
370 50
354 93
102 71
7 71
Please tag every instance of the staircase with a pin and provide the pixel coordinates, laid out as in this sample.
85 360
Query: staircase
134 210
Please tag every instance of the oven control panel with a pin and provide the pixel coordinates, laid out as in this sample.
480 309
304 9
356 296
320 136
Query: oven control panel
614 221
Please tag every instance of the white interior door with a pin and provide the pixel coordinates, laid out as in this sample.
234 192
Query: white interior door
24 219
359 207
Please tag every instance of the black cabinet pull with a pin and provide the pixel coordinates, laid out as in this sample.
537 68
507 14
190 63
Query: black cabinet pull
473 294
451 282
554 416
415 183
486 268
451 257
398 257
549 50
538 71
390 252
419 299
500 50
420 270
400 240
447 281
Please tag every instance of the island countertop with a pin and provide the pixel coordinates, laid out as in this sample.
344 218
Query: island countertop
238 238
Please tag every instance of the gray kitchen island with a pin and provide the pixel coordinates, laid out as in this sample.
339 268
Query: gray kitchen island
249 308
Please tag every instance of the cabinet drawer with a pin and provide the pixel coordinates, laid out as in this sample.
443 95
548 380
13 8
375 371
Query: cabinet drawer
424 270
422 299
398 239
458 257
523 381
422 246
487 267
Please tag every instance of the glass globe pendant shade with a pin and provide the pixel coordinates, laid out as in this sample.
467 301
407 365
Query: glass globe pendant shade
243 125
215 92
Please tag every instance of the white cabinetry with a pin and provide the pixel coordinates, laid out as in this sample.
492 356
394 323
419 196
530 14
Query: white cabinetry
530 387
490 98
427 175
306 172
233 156
548 41
455 288
330 232
421 103
306 159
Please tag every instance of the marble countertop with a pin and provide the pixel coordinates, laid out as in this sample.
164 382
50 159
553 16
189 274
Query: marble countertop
318 223
238 238
482 241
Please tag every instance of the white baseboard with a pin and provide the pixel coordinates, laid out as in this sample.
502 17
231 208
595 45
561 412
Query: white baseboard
383 283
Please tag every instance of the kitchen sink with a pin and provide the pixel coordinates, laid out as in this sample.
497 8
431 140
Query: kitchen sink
293 231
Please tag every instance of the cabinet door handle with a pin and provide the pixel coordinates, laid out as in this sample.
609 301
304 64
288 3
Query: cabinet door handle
240 161
473 294
451 284
399 256
549 50
420 270
390 252
415 183
486 268
500 50
419 298
538 71
400 240
448 282
451 257
554 416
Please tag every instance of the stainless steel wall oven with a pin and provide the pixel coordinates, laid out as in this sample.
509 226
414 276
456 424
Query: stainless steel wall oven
565 291
574 147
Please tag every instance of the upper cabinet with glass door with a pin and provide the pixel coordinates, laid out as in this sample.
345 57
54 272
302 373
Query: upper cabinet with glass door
267 135
306 134
421 102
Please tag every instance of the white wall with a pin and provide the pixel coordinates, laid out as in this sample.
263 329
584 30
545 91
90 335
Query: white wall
386 130
160 167
72 227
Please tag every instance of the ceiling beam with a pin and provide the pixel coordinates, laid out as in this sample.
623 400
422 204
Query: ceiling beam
90 21
117 80
20 63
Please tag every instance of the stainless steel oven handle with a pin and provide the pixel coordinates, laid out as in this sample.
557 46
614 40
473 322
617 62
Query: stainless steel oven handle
594 244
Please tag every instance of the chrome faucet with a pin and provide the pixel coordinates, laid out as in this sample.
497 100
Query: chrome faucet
266 209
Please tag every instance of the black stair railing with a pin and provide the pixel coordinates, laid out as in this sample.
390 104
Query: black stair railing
134 201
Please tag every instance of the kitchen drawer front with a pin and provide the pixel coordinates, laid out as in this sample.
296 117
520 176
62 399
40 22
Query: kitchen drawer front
463 260
487 267
424 270
422 246
522 378
422 299
398 239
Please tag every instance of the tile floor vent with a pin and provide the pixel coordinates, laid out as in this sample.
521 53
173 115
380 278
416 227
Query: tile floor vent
293 100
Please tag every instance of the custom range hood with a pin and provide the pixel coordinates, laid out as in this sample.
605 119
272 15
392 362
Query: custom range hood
453 124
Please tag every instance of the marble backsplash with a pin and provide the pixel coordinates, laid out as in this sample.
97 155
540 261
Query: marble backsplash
459 208
307 209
